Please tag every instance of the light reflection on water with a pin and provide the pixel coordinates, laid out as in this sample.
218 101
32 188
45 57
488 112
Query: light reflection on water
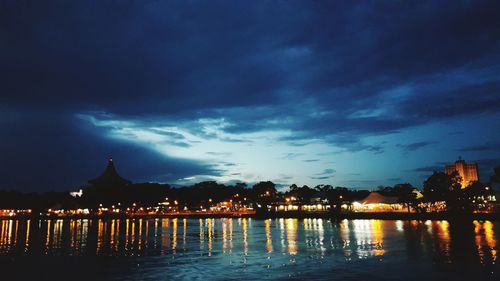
270 248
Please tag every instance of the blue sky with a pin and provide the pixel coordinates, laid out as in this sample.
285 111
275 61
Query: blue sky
354 94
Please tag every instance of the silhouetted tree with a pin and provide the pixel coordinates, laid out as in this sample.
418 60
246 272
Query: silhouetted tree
442 187
302 194
264 189
264 193
496 175
405 193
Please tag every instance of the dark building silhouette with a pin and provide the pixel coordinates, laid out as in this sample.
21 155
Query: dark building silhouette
110 178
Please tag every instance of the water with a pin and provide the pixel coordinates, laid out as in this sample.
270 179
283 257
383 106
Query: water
247 249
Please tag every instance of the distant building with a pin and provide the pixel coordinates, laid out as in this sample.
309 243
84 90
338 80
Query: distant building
467 171
110 178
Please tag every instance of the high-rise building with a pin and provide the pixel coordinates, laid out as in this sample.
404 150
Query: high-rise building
467 171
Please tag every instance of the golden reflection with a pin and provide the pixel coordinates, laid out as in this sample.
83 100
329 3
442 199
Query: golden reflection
2 233
139 236
47 235
269 240
369 237
378 237
209 229
84 231
146 233
57 233
321 234
184 221
429 226
72 232
15 231
282 233
489 234
291 235
127 221
399 226
202 234
117 234
224 236
174 234
9 239
165 233
443 234
156 228
478 239
485 238
230 235
491 241
362 232
5 232
344 236
100 230
245 238
27 239
132 233
307 224
2 227
112 234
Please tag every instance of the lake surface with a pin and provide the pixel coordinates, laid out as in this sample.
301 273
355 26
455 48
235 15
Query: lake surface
248 249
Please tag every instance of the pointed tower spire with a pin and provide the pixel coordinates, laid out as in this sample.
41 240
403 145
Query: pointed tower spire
110 177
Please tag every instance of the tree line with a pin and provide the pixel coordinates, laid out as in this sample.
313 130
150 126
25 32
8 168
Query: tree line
437 187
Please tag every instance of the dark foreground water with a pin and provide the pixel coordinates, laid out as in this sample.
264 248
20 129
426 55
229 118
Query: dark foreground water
248 249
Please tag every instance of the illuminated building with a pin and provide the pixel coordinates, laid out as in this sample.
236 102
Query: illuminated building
467 171
376 202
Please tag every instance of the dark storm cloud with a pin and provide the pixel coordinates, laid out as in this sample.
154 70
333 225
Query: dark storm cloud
463 101
43 151
336 72
212 55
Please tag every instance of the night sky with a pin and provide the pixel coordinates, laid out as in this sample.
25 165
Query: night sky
354 93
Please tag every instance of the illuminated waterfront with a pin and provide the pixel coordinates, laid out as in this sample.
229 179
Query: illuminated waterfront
163 249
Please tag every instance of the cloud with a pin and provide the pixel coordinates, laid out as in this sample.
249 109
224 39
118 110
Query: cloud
326 174
481 147
486 167
328 171
291 155
394 179
218 153
414 146
67 154
428 169
320 177
181 75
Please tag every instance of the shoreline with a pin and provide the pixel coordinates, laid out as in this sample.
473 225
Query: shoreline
296 215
